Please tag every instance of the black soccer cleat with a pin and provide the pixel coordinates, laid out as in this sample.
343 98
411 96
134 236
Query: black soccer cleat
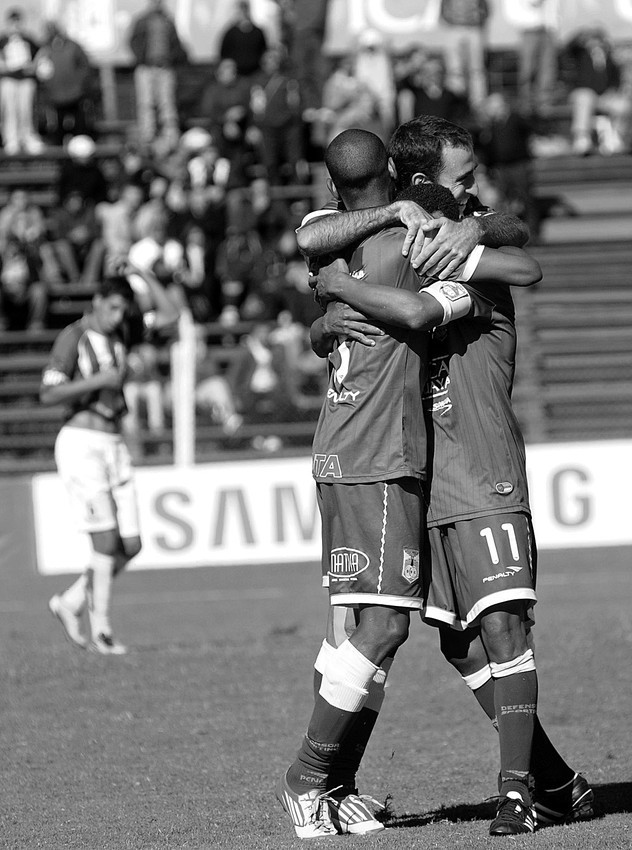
513 817
573 801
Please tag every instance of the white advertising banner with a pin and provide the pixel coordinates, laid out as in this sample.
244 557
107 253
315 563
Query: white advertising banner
264 511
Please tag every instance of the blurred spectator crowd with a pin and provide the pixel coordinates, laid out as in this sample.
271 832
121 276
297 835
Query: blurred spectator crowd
207 196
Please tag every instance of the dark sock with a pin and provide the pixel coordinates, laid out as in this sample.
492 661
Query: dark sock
548 768
347 762
515 698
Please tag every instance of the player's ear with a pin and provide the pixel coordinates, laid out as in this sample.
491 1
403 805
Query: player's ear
419 177
392 170
332 188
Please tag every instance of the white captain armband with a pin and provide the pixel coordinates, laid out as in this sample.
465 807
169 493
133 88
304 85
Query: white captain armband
469 266
453 297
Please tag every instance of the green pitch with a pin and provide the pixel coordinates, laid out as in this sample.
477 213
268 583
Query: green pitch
180 743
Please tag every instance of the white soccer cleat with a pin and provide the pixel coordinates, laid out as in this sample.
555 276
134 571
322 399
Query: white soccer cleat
308 812
351 814
71 622
104 644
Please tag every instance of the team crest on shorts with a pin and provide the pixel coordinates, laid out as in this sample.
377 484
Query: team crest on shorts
410 565
347 564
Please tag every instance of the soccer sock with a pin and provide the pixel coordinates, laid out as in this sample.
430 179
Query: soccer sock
347 763
102 569
75 597
343 692
548 768
515 697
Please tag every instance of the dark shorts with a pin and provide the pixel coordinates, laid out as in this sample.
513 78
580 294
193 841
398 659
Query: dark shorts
373 536
477 564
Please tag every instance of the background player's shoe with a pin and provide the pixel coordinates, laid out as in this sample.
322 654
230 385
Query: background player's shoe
573 801
308 812
351 813
106 645
71 622
513 817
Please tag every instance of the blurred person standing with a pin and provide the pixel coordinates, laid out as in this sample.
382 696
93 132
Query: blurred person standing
464 22
308 33
66 82
374 67
537 22
243 42
18 87
276 107
158 52
423 91
505 148
86 372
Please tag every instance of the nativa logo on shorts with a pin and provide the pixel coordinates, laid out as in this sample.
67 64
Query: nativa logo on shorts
504 488
346 564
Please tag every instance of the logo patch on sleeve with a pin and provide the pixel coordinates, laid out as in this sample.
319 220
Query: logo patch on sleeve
453 290
504 488
410 565
347 564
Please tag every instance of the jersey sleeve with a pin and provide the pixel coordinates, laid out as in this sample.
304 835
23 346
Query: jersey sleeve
62 361
380 257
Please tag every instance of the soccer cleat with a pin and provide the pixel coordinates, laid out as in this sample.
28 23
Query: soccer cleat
308 812
351 814
513 817
573 801
104 644
71 622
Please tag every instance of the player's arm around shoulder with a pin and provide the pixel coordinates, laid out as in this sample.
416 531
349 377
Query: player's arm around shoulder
507 265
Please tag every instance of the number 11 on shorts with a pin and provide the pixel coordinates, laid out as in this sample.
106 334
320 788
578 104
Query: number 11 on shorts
488 534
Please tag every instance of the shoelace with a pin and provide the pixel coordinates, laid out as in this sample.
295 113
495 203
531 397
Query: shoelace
318 803
367 798
517 807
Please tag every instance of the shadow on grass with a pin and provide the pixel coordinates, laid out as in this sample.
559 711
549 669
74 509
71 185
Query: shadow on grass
611 798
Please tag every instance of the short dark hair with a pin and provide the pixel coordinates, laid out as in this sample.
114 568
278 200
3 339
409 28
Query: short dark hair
355 159
115 285
433 198
417 146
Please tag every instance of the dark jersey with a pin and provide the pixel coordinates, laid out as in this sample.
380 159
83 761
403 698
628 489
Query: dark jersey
476 448
371 424
80 351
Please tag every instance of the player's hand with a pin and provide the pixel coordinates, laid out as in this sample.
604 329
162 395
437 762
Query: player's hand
413 217
324 281
449 247
343 321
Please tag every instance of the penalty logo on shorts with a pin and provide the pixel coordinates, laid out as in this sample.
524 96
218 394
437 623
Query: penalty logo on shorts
410 565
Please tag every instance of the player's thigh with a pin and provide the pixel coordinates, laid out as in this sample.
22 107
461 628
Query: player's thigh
372 540
81 456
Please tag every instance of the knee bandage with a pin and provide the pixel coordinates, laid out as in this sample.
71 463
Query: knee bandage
524 663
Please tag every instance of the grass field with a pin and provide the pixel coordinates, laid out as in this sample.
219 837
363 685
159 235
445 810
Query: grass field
180 743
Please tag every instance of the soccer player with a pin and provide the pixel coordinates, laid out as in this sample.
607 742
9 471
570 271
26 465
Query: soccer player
369 457
424 149
85 372
481 575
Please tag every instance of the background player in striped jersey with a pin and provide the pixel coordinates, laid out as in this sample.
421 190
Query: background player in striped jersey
479 519
369 458
85 372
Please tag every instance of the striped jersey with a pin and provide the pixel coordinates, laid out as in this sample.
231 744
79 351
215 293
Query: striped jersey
476 448
80 351
371 426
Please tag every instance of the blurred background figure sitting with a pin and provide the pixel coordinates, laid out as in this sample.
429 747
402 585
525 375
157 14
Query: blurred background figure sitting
18 87
74 237
600 106
23 294
213 394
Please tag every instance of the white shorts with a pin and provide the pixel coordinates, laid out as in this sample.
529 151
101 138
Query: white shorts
96 469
